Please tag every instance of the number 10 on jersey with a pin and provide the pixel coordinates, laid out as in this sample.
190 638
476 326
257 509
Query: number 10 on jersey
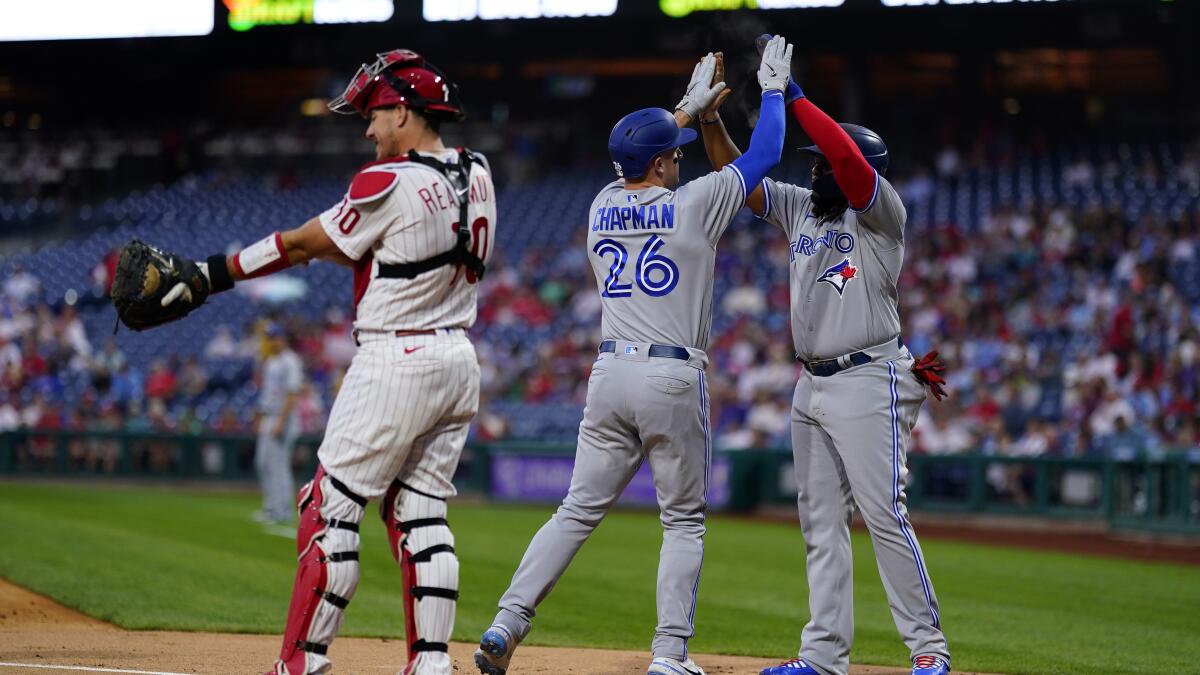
656 274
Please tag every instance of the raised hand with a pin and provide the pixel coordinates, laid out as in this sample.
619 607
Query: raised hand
793 90
710 111
776 66
703 89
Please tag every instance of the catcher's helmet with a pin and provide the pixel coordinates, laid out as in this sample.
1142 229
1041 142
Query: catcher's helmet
400 77
641 135
868 142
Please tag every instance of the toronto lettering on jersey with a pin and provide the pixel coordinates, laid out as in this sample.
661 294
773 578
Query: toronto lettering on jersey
806 245
641 217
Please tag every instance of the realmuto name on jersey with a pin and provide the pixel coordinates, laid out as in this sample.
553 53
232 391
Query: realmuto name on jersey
436 195
640 217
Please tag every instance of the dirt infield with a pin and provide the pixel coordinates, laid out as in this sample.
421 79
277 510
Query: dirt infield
37 633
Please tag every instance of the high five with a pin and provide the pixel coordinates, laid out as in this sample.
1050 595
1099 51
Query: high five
652 248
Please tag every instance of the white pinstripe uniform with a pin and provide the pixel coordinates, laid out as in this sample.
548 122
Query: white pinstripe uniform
406 402
400 420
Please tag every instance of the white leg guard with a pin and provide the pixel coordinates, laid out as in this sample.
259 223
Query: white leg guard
327 546
424 547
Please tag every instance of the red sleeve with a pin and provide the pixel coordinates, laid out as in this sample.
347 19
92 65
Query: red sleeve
850 169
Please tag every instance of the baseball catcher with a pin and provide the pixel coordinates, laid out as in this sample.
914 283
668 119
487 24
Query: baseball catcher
417 226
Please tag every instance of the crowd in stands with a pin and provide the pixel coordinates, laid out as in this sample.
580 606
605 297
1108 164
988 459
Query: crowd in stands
1069 330
55 376
1069 326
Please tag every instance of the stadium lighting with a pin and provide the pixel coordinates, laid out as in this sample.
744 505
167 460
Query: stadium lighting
466 10
88 19
681 8
246 14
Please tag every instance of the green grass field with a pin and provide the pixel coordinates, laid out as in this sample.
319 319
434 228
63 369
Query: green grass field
159 558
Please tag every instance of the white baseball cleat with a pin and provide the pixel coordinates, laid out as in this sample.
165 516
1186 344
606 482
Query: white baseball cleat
665 666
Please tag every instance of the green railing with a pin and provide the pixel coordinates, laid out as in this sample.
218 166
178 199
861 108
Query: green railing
159 455
1158 493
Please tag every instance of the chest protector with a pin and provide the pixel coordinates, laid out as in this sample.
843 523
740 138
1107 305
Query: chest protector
459 176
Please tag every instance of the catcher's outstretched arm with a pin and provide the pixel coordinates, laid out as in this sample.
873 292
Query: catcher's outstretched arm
298 247
276 252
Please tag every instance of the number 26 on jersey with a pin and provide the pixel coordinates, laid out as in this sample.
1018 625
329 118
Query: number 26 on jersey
655 274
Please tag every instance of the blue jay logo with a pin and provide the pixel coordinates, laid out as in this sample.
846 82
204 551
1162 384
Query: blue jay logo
839 275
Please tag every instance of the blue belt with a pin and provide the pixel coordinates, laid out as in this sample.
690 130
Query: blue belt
834 366
664 351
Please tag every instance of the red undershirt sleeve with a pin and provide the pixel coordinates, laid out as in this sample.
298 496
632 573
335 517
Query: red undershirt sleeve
853 174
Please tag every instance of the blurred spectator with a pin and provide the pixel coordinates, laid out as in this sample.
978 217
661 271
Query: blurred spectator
1064 302
936 433
110 359
161 382
193 380
769 418
222 344
489 426
1125 441
10 356
10 418
744 298
103 273
21 286
1113 414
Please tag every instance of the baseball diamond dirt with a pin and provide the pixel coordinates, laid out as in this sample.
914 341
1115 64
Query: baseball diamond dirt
38 635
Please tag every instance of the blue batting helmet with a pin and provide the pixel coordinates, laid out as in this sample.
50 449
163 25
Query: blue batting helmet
869 143
641 135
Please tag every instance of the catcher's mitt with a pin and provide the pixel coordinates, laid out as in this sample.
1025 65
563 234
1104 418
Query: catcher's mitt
152 287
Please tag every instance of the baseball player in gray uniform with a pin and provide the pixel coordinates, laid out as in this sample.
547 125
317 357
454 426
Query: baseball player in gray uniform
278 426
652 248
858 396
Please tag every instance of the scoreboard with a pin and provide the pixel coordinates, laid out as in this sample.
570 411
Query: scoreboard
28 20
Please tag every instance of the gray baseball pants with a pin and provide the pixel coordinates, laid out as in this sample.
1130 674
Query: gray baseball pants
850 435
273 461
638 409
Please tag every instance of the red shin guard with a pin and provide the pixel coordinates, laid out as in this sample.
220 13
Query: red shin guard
311 593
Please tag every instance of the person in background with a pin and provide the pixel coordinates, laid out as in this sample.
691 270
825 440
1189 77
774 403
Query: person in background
278 426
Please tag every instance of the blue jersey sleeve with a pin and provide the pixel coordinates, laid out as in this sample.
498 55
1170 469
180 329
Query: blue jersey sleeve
766 143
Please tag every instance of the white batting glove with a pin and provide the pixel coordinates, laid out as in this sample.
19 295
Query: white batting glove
701 90
776 66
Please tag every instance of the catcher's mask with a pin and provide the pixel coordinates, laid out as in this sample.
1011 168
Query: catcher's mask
400 77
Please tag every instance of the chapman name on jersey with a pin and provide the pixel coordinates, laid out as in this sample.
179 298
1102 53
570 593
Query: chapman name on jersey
401 212
639 217
653 252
